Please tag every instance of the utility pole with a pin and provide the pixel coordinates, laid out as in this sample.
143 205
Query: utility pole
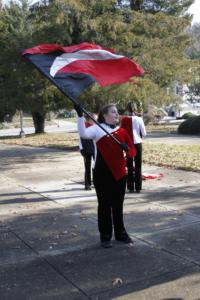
22 133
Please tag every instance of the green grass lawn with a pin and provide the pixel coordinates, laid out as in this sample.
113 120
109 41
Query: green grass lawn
53 140
185 157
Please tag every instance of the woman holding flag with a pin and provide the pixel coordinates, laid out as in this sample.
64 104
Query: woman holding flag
109 173
73 69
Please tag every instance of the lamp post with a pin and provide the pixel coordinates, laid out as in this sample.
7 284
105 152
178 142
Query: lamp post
22 133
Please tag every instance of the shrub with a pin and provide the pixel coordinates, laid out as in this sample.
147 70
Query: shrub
188 115
190 126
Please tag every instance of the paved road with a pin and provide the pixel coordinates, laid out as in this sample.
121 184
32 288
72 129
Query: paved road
61 126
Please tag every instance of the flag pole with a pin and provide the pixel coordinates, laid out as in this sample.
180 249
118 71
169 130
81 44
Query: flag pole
95 121
74 101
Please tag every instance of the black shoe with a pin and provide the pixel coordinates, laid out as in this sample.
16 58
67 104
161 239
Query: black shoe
88 188
106 244
124 239
138 191
131 191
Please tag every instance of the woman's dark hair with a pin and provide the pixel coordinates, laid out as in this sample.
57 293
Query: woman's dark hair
131 107
87 118
103 111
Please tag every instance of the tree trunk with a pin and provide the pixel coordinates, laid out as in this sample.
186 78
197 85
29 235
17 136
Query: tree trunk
38 121
136 4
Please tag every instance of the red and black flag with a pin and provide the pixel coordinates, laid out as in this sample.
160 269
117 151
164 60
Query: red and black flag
74 68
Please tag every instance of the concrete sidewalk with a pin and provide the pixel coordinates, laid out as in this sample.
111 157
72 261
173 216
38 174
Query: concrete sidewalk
49 242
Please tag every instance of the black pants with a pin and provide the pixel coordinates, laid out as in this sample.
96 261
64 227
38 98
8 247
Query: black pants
134 179
87 163
110 195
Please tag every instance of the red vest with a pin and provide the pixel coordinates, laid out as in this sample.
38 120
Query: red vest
126 123
87 124
112 153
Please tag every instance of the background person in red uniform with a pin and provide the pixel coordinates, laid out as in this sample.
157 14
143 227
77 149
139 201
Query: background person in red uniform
135 127
109 173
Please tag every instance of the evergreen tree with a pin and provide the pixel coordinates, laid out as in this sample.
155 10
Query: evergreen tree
170 7
156 41
194 53
22 86
151 32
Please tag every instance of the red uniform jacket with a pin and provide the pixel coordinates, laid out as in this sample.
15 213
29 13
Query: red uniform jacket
113 154
126 123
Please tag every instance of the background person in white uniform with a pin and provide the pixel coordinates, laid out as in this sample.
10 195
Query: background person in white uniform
135 127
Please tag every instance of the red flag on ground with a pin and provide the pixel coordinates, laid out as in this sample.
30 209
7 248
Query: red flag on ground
151 176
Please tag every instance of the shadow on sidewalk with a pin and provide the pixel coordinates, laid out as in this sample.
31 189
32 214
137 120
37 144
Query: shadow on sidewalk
65 242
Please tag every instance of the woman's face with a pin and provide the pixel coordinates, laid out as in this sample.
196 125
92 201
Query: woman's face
112 116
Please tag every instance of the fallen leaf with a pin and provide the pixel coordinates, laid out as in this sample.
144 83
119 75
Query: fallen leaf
179 240
74 234
65 232
117 281
75 226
